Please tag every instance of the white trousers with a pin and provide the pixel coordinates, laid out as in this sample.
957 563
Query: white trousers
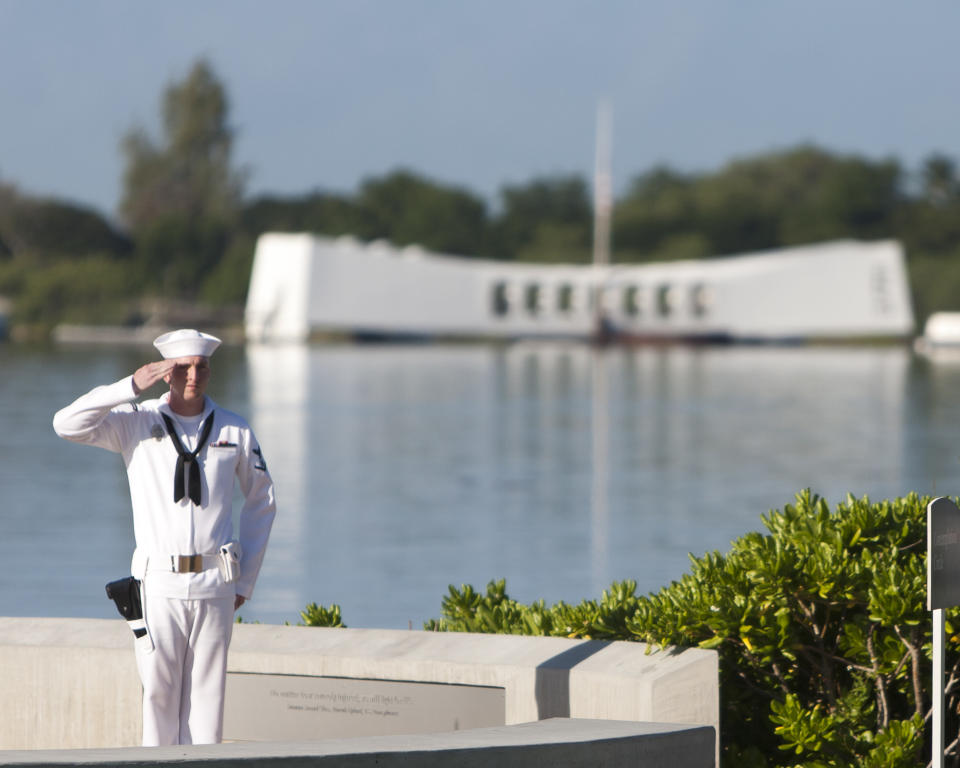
184 676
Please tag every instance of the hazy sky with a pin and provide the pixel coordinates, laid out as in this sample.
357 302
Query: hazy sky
325 93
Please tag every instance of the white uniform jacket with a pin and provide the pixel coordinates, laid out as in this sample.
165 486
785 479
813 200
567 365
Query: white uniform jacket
109 418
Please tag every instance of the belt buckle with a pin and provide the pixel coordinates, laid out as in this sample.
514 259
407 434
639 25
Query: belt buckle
187 563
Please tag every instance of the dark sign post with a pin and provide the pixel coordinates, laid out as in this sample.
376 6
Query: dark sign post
943 591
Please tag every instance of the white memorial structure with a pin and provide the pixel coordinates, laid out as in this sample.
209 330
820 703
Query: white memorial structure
302 285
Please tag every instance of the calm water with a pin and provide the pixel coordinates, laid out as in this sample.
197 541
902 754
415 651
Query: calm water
402 469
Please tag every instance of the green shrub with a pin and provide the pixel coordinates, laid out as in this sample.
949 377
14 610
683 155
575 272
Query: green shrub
820 624
319 616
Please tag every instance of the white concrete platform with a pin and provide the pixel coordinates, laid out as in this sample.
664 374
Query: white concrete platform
72 683
557 743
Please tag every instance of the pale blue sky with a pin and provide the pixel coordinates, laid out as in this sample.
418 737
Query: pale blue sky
325 93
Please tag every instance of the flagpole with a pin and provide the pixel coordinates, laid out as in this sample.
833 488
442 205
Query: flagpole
602 210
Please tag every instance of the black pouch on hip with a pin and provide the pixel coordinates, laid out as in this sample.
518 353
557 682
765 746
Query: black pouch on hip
126 594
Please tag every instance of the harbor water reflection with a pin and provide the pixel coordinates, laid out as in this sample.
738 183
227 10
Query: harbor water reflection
402 469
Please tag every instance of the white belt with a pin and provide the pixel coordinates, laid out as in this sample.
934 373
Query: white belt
182 563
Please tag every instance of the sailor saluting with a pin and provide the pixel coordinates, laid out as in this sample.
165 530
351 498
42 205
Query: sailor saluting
183 454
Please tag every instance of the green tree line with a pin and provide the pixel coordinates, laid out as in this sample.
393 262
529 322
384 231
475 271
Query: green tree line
187 227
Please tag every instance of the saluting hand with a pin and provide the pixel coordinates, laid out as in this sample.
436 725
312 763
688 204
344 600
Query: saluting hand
148 375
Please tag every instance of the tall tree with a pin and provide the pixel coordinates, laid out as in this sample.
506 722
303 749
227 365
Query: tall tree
940 185
406 208
181 196
801 195
930 221
547 219
658 219
41 230
321 212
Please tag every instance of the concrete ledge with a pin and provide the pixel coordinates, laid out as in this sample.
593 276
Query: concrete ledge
542 676
72 683
556 742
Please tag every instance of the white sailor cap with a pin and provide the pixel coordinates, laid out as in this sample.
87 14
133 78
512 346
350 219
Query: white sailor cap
186 343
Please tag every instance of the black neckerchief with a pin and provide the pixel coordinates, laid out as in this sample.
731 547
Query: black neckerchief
188 459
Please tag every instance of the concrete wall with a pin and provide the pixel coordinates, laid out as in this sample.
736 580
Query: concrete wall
67 683
72 682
